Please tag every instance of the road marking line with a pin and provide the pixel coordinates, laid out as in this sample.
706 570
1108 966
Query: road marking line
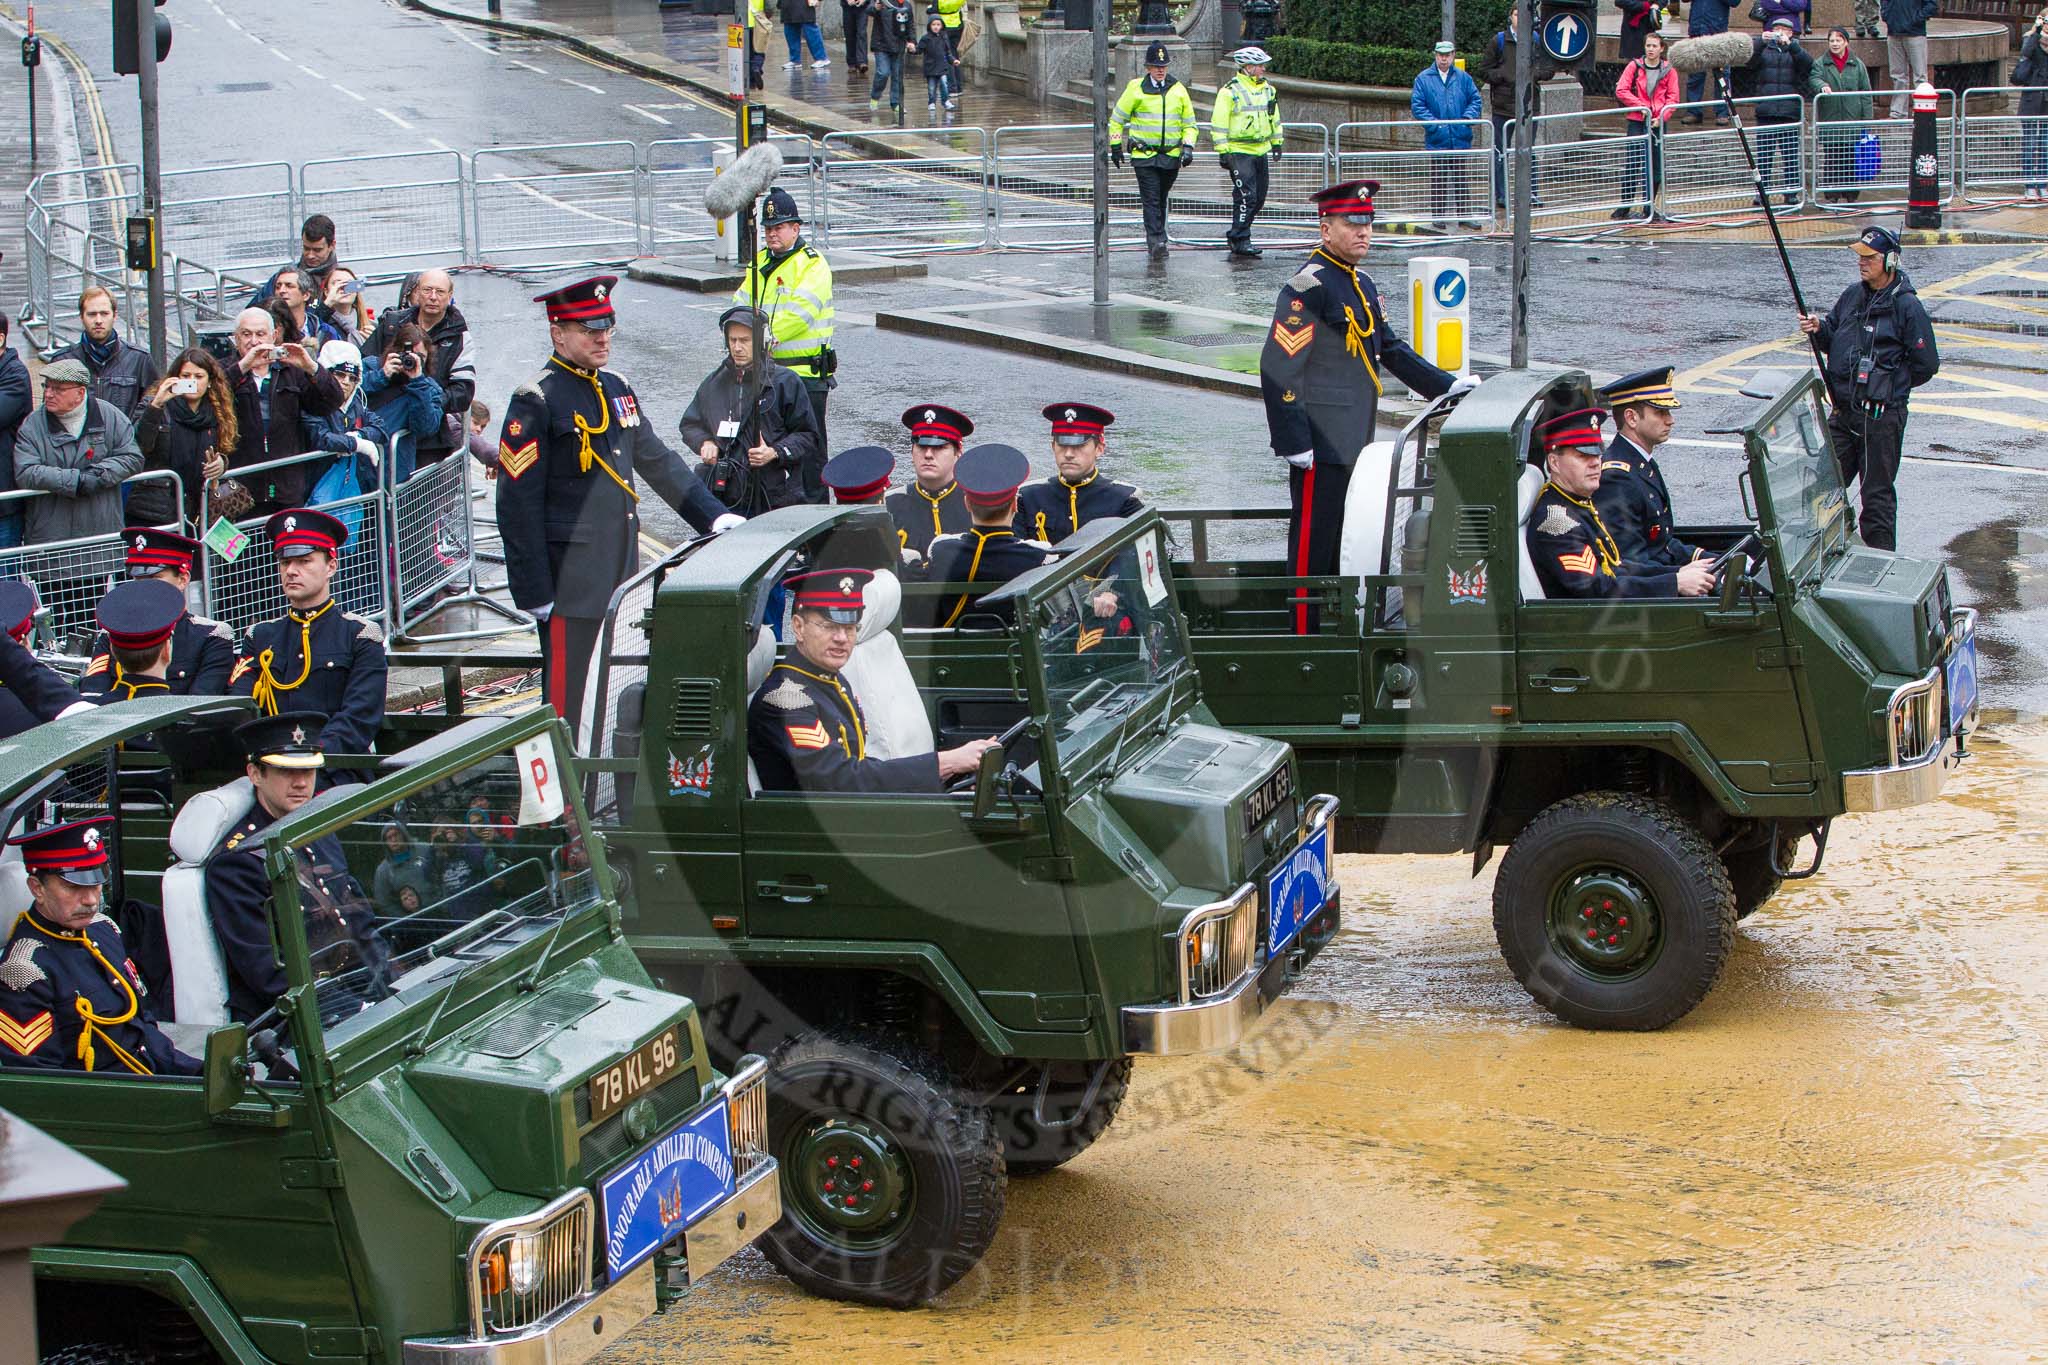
233 23
350 93
280 53
525 188
581 85
440 145
316 75
2002 419
648 114
1704 445
395 119
527 66
456 32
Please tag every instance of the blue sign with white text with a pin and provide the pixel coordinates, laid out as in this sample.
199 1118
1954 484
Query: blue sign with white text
1297 889
1565 36
648 1202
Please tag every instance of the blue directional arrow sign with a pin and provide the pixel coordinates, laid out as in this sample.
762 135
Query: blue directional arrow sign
1565 36
1450 288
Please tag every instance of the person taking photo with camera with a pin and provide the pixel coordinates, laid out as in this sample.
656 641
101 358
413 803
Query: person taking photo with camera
406 399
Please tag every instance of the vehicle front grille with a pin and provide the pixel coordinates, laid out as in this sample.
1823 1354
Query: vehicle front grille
609 1141
1216 943
747 1097
1916 718
550 1251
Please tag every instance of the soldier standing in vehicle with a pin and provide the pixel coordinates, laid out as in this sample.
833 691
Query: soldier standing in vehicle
805 731
70 997
568 504
1320 376
1880 347
1574 553
1244 125
1156 118
1633 499
989 553
931 504
796 297
202 650
31 692
137 621
1052 509
859 476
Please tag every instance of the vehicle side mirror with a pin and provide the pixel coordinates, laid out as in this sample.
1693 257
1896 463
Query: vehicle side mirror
226 1068
985 781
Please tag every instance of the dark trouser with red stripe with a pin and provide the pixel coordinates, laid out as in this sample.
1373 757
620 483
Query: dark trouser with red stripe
1314 531
565 645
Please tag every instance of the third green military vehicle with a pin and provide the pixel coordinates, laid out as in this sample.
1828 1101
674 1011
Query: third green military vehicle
503 1145
952 987
1653 766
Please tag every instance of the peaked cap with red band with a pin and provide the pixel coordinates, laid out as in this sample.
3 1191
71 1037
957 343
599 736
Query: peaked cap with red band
586 301
76 851
299 531
834 592
1075 423
860 474
141 613
1351 200
1572 430
990 475
17 607
151 551
935 424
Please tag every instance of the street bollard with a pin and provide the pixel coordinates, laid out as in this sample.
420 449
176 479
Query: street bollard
1923 187
721 247
1440 310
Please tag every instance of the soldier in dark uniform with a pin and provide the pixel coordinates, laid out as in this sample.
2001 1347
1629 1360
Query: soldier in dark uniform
316 657
1053 509
283 756
70 998
805 732
989 553
138 623
1633 500
568 499
860 475
202 650
31 692
1575 556
1321 373
931 505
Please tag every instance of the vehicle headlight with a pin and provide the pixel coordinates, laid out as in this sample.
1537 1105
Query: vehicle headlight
1205 945
523 1263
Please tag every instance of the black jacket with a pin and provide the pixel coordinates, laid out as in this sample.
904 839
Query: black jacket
31 692
938 54
1908 18
2030 71
895 26
1497 71
1638 21
176 437
15 404
451 361
1782 71
784 418
1890 326
125 380
293 394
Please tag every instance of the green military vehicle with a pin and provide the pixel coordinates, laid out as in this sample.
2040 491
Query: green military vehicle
1652 766
951 987
505 1144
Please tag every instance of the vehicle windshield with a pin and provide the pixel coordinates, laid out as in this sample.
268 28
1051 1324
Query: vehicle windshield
398 901
1109 639
1802 485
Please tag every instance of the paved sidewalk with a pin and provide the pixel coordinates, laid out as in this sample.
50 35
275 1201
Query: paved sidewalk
15 170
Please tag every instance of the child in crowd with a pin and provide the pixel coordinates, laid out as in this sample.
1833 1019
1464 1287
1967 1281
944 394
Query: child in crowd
938 65
480 443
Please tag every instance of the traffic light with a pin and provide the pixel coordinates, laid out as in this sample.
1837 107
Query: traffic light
1565 38
126 58
31 51
141 254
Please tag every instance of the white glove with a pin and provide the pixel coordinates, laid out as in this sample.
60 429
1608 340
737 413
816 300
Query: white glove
541 613
911 558
725 521
367 449
1303 460
1464 383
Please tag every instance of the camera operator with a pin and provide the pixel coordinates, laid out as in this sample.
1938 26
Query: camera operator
767 457
405 397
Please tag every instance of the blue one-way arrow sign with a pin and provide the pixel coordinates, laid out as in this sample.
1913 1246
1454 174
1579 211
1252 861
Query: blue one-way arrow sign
1565 36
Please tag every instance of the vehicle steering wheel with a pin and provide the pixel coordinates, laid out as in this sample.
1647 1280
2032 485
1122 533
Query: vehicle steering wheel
1720 562
965 781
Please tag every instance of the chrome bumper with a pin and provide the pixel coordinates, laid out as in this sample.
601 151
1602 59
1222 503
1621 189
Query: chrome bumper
1869 790
1219 1023
596 1321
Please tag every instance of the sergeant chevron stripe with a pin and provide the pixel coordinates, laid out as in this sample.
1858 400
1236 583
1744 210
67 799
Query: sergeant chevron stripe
26 1038
516 460
1581 561
1293 342
810 736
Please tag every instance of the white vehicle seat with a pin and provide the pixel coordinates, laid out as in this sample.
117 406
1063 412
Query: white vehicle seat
14 897
199 979
760 659
879 678
1365 547
1526 489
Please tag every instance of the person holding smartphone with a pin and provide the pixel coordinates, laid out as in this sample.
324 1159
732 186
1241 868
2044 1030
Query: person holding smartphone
187 426
274 386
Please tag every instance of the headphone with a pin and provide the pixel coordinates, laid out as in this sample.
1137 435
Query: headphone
1891 262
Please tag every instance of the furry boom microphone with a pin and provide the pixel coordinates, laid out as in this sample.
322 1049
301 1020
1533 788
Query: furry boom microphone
748 178
1711 52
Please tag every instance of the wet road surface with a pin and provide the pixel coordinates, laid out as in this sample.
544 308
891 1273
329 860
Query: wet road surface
1838 1156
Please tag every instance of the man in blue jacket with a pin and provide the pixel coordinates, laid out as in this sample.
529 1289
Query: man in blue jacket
1446 101
1704 17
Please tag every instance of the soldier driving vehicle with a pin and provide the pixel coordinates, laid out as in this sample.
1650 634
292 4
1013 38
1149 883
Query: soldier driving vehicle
931 504
1632 498
796 300
202 650
573 442
1053 509
989 552
1574 553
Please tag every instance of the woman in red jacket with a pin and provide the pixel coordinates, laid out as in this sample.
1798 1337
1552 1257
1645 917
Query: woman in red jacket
1648 90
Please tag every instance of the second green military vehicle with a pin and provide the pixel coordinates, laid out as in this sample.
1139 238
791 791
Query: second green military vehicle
1652 766
951 987
501 1145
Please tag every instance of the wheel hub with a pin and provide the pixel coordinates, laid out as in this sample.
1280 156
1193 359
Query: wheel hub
851 1176
1604 920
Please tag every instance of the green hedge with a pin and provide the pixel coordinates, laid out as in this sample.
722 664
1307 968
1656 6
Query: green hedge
1409 26
1346 63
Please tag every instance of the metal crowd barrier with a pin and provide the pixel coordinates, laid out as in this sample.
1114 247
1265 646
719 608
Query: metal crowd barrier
411 210
589 203
1836 174
674 172
245 590
71 576
2000 152
1706 176
1042 178
1201 193
433 556
932 196
1419 184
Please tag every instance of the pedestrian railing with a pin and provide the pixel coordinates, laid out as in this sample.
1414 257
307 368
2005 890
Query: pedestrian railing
1043 181
1421 184
1704 173
71 576
1840 175
930 194
1201 193
674 172
433 558
2000 152
587 204
1582 168
405 207
231 217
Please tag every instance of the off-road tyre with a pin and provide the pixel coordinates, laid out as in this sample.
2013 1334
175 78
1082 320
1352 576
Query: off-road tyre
1662 916
932 1164
1031 1150
1750 875
95 1353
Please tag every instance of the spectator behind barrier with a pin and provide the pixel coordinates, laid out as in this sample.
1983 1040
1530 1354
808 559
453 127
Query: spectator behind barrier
1840 86
451 356
16 401
403 869
482 447
188 427
343 307
77 449
353 433
121 374
274 387
1445 100
406 398
292 294
316 257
